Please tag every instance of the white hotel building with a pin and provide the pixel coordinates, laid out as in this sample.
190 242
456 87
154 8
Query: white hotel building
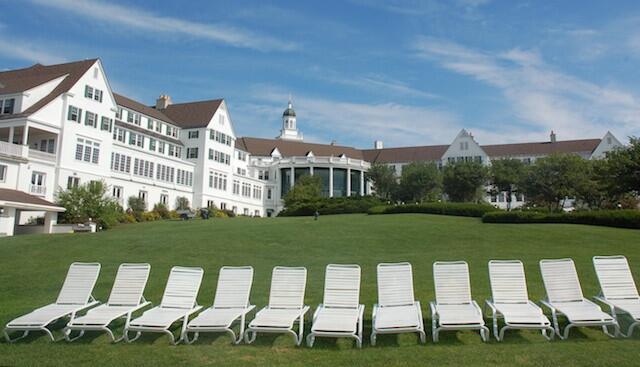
62 125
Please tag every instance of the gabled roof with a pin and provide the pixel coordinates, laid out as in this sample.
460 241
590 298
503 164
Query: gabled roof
542 148
406 154
16 81
23 200
264 147
129 103
192 115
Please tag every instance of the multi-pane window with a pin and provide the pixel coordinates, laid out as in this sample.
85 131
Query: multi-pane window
106 123
246 189
152 144
90 119
220 137
119 135
161 147
48 145
117 192
93 93
242 156
263 175
219 157
74 113
236 187
6 106
192 153
165 173
3 173
257 192
133 118
194 134
142 167
120 162
150 123
269 194
164 199
184 178
119 113
136 139
87 151
172 131
73 182
241 171
159 126
218 181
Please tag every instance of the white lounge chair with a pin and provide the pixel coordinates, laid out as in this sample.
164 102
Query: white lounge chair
564 297
125 299
340 314
74 297
453 308
510 300
178 303
286 305
397 310
231 303
618 290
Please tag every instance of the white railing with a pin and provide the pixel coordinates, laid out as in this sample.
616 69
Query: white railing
14 150
325 160
36 154
38 190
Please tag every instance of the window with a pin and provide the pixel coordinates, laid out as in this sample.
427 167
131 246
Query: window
159 126
257 192
269 194
74 114
161 147
119 134
219 157
256 213
263 175
119 113
73 182
165 173
3 173
47 145
220 137
97 95
117 192
210 203
184 178
87 151
150 123
236 187
191 153
120 163
164 199
152 144
106 123
218 181
172 131
223 206
88 91
90 119
142 167
246 189
242 156
241 171
38 181
6 106
133 118
136 139
143 195
245 211
93 93
194 134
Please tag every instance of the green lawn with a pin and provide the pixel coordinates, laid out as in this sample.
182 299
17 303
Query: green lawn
33 267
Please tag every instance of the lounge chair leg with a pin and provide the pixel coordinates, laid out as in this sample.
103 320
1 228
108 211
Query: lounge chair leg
233 337
310 339
9 340
373 339
423 336
48 332
249 336
130 340
630 330
358 342
556 325
242 326
550 332
566 331
500 336
484 333
67 335
616 330
172 338
300 337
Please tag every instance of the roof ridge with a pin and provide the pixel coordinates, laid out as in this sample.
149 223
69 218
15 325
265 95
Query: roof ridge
193 102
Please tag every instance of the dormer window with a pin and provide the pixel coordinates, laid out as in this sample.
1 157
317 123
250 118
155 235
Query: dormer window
6 106
93 93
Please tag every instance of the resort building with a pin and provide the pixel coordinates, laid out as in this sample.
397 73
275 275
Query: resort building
62 126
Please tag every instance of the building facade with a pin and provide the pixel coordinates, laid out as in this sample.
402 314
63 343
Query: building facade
62 126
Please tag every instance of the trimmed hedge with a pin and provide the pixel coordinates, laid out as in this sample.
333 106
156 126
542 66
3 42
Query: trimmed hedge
446 208
326 206
608 218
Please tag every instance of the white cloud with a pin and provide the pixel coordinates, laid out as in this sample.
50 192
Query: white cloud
142 19
20 49
541 97
350 123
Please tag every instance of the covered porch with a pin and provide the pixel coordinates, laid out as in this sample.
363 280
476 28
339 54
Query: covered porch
29 141
13 203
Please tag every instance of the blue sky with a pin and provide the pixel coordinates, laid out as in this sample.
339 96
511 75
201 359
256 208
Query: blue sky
405 72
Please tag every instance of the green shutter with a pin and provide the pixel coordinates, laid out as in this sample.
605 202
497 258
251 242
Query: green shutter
79 115
69 113
86 91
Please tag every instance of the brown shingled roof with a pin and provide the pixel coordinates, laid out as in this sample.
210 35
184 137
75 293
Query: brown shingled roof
22 197
405 154
129 103
264 147
542 148
24 79
193 114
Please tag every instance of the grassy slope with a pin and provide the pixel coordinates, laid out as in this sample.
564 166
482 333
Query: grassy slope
33 268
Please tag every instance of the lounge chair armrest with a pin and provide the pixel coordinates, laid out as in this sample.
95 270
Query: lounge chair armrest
304 310
361 311
249 308
374 311
432 306
601 299
315 313
548 305
490 304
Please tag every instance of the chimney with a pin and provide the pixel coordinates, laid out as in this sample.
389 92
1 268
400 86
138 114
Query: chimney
552 137
333 142
163 102
378 144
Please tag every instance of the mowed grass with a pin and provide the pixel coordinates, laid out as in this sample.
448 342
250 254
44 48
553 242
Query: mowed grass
33 268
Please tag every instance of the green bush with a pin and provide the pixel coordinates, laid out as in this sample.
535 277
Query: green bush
445 208
338 205
150 216
161 210
609 218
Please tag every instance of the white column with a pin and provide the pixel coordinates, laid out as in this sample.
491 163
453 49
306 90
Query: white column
25 135
361 183
293 177
50 220
330 182
348 181
11 132
311 170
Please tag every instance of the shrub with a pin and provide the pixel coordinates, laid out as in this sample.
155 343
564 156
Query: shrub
174 215
89 201
126 218
338 205
182 203
457 209
609 218
229 213
150 216
220 214
161 210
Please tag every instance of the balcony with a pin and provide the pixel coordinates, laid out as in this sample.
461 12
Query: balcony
13 150
38 190
44 156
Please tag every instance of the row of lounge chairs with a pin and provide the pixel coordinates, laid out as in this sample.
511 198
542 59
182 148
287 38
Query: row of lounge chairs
340 314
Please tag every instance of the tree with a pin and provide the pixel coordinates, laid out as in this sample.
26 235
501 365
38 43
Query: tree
419 181
306 191
463 181
553 179
182 203
89 201
624 169
506 176
383 178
